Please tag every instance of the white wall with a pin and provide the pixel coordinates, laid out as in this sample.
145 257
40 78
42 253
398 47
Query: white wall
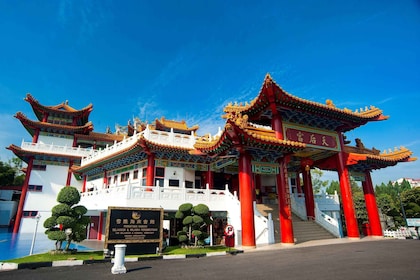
53 179
55 141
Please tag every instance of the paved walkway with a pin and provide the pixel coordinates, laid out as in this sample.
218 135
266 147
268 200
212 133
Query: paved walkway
342 259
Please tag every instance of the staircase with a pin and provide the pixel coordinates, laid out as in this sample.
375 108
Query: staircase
302 230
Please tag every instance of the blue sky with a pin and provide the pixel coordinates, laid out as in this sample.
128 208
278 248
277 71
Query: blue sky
188 59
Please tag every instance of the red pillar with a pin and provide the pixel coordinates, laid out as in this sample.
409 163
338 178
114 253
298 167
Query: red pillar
150 176
210 178
285 211
105 179
309 193
346 195
69 173
371 207
23 196
247 202
36 136
298 186
101 221
84 183
45 117
277 125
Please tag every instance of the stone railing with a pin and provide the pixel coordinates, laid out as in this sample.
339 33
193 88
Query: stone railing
161 137
323 201
401 233
115 148
329 223
297 201
133 195
56 149
170 138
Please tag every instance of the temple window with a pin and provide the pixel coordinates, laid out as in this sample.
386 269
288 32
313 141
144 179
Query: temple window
125 177
160 172
30 214
35 188
135 174
173 183
40 167
143 176
159 176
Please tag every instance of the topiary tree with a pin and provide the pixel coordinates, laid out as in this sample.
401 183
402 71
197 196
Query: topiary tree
67 222
195 221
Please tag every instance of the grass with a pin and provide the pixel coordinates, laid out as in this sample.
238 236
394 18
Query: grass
48 257
98 255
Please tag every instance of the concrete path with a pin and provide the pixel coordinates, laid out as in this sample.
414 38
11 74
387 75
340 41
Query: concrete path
342 259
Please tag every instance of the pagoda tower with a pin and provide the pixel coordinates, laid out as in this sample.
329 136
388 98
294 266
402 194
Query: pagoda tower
61 136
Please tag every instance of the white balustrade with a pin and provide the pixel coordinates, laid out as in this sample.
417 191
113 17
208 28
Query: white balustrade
401 233
323 201
329 223
167 197
297 201
160 137
55 149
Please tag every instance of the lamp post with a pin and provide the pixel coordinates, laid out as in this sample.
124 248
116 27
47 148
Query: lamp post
37 218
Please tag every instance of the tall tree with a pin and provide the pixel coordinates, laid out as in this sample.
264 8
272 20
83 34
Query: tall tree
411 202
317 183
7 174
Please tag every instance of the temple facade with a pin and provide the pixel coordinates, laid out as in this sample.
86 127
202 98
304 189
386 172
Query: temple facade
261 157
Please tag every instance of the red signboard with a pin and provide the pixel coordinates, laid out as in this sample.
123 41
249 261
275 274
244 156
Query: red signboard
312 138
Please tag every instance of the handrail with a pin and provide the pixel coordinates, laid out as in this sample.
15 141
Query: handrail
56 149
328 222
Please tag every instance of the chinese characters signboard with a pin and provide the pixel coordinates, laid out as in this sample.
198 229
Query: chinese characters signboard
312 137
139 228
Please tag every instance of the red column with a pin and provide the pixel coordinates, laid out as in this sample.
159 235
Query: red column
210 178
74 141
36 136
247 203
69 173
346 195
277 125
371 207
105 179
101 221
309 193
298 186
150 176
285 211
84 183
23 196
45 117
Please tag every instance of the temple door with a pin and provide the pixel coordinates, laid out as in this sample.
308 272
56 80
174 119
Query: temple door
93 227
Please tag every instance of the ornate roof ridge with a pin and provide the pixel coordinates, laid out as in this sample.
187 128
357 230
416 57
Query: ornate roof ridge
180 125
366 113
57 108
22 117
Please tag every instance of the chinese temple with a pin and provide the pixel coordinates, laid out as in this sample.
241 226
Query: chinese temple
261 157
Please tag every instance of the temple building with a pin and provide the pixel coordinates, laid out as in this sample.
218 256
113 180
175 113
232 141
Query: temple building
254 174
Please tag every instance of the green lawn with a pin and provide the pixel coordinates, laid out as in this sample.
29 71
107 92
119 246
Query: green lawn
98 255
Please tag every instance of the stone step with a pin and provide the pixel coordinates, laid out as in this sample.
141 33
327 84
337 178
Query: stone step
302 230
